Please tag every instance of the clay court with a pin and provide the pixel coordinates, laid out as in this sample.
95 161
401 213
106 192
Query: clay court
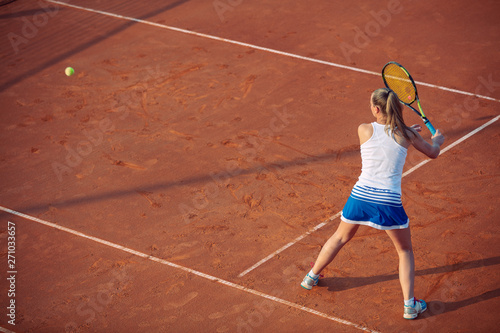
188 173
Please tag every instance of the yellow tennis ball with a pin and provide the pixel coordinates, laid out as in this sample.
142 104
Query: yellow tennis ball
69 71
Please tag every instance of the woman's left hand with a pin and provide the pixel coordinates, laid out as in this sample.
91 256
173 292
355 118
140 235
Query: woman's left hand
417 127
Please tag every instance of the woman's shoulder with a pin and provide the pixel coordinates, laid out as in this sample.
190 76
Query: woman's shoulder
365 127
365 132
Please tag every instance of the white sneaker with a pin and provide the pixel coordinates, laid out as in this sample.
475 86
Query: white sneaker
412 312
309 282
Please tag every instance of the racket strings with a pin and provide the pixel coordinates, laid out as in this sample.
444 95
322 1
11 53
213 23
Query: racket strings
398 81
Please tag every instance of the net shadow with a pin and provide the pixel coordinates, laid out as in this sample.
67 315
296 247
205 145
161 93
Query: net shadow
60 39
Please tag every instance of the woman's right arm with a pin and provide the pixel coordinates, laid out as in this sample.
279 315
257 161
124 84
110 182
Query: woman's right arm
423 146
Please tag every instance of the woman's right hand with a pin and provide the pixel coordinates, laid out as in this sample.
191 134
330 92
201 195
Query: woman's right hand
438 138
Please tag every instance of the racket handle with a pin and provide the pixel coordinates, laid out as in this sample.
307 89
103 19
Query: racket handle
429 126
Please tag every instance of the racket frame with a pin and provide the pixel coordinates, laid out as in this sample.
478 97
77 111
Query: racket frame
421 113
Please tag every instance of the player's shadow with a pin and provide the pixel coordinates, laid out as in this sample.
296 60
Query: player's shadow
435 307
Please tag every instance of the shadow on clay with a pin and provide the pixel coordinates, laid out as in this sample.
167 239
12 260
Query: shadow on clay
79 48
434 307
196 179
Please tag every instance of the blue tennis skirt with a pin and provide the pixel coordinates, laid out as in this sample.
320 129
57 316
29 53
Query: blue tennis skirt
377 208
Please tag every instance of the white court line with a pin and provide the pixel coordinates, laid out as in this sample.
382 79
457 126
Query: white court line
298 239
2 329
256 47
444 150
189 270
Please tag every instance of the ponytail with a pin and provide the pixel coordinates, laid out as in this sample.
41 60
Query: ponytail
389 104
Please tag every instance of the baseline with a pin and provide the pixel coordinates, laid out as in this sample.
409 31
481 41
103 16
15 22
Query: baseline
261 48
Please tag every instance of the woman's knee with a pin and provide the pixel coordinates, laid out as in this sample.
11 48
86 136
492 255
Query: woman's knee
343 237
405 249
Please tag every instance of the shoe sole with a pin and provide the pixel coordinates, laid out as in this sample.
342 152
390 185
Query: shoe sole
307 288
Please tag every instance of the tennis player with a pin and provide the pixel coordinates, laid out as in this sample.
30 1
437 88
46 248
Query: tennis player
375 200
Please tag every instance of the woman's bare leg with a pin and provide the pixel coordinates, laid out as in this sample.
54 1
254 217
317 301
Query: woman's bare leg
402 241
344 233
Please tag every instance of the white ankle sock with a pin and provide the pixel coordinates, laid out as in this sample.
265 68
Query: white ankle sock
410 302
311 274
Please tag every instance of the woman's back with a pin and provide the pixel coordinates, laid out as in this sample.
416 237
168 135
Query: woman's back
382 160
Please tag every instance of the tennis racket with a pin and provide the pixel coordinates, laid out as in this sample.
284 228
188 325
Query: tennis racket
397 78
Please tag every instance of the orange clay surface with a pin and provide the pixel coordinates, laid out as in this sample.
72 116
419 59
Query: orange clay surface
213 156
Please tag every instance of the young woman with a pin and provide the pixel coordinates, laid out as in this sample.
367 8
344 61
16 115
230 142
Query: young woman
375 200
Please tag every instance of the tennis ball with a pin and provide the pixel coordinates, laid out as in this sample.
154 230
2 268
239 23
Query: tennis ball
69 71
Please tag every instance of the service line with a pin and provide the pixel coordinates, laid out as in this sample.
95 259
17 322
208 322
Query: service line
261 48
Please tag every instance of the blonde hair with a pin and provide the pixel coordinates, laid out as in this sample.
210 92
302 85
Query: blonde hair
392 109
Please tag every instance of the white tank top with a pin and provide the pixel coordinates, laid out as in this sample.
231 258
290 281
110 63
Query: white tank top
382 161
